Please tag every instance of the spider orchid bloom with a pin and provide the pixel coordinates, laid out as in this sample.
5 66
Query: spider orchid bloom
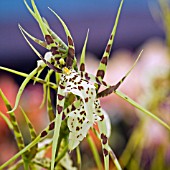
89 112
82 116
86 109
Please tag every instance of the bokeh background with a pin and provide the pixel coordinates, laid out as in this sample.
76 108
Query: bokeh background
138 142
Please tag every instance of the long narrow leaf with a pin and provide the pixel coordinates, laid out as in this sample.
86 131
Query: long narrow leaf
139 107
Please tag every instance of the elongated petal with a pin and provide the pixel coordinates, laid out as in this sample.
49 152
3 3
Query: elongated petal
83 54
71 48
103 64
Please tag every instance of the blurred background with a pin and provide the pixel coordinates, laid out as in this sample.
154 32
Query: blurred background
136 26
139 142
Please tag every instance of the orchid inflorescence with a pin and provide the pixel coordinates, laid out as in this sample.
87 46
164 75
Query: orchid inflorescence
77 99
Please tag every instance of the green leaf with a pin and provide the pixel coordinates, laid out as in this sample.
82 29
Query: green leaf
139 107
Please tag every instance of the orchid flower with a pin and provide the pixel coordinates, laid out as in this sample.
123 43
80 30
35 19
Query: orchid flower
81 113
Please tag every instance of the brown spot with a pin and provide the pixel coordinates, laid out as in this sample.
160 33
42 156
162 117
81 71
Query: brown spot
63 116
49 39
111 36
104 60
69 61
108 48
104 139
73 108
81 73
123 78
86 99
98 81
60 97
59 109
102 117
62 87
70 41
54 50
80 87
104 83
68 110
100 73
51 126
82 112
86 76
77 128
81 121
43 133
82 67
114 88
105 152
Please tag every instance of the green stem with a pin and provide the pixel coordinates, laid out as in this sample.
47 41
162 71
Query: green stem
114 159
39 80
78 158
95 152
61 155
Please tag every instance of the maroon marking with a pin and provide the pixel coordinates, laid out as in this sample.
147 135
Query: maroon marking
108 48
70 41
68 110
104 83
86 99
82 67
86 76
123 78
43 133
59 109
49 39
81 73
77 128
104 139
51 126
60 97
113 88
70 57
104 60
108 91
73 108
71 52
82 112
100 73
111 36
98 81
62 87
63 116
80 87
102 117
105 152
54 50
81 121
